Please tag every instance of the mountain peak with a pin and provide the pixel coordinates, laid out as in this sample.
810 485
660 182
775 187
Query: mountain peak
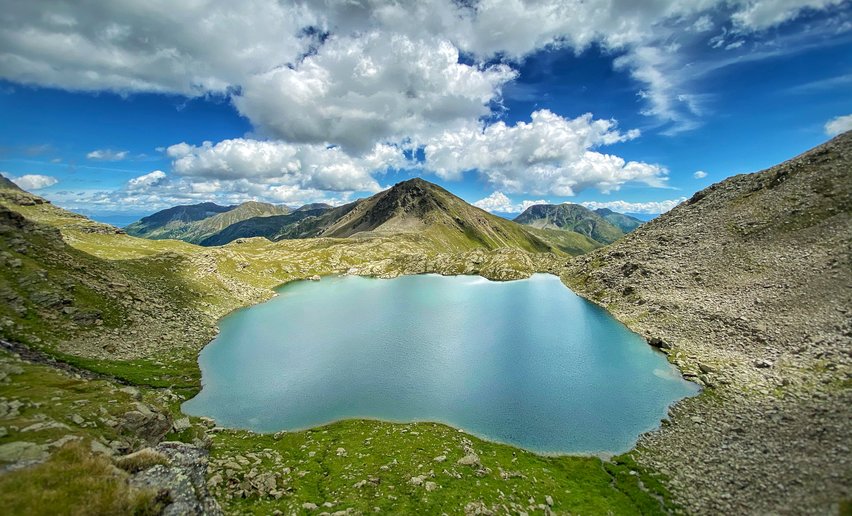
415 181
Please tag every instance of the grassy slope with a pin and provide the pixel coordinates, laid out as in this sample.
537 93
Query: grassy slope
159 301
74 480
205 228
174 222
366 465
568 242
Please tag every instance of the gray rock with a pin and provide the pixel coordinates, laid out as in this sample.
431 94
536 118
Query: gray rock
471 459
184 478
146 423
22 451
182 424
132 391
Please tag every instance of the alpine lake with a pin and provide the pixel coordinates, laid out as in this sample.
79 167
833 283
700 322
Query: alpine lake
526 362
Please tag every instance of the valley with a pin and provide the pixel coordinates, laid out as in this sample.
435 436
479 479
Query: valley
745 287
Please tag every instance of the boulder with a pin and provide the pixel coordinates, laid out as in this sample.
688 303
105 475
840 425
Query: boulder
471 459
146 423
182 424
183 478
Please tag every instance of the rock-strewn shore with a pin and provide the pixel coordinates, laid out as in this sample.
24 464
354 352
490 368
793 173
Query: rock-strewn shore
748 288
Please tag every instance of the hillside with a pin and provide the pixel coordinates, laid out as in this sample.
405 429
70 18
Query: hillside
205 228
194 223
568 242
570 217
748 287
625 223
419 206
305 222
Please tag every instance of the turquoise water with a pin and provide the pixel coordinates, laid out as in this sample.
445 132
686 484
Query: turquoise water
524 362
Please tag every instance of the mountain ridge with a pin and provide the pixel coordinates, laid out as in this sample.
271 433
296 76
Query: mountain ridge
571 217
195 222
415 206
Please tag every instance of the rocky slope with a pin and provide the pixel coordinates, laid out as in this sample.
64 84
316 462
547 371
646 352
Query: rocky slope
571 217
748 287
194 223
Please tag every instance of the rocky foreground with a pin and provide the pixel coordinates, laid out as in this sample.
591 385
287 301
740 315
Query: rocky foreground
748 288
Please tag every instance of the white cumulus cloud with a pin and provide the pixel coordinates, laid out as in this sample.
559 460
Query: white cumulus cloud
650 207
107 155
273 162
143 182
498 202
838 124
548 155
699 174
34 181
375 87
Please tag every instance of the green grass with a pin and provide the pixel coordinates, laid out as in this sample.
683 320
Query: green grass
75 482
566 241
183 376
380 459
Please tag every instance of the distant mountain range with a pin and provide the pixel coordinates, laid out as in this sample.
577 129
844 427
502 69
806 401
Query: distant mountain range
413 206
605 226
196 222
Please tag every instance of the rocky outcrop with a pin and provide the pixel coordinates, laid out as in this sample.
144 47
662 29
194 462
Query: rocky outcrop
748 288
181 480
146 423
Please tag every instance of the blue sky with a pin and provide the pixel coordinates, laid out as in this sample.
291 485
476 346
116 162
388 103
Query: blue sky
106 112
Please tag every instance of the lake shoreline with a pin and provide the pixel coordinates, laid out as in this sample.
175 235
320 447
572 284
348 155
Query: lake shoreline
442 286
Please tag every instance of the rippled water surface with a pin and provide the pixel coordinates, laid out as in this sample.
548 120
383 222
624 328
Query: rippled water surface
524 362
